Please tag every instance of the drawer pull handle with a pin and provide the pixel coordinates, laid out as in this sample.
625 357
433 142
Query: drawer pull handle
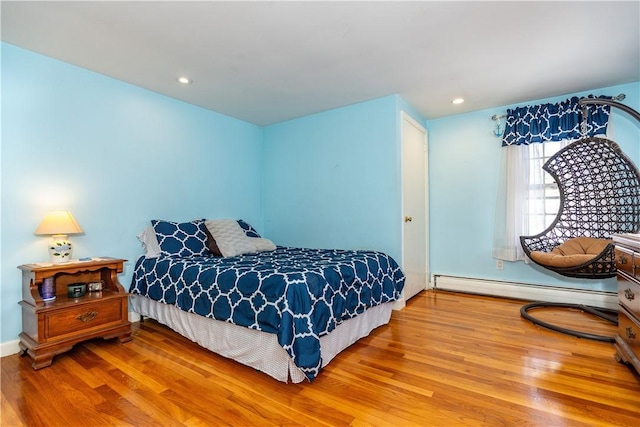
87 316
630 333
628 294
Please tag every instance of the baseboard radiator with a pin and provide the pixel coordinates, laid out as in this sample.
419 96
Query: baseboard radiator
526 292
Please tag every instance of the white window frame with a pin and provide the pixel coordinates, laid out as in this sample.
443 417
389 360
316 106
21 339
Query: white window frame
543 197
514 210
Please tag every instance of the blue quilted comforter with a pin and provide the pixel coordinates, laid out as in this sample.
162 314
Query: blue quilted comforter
298 294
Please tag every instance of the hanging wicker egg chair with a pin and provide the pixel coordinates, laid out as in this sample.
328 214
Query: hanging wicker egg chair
599 196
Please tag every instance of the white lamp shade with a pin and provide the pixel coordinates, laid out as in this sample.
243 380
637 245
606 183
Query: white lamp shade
58 222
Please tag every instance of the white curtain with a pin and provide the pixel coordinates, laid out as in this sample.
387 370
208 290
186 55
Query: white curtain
516 200
511 207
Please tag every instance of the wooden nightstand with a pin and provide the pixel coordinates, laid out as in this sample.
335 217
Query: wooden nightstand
51 328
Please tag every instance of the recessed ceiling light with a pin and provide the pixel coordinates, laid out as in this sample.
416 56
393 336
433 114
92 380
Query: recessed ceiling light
457 101
184 80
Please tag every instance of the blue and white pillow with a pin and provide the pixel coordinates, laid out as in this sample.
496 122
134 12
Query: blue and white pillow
249 231
181 239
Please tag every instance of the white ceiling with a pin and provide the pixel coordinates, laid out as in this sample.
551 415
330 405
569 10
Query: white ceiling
266 62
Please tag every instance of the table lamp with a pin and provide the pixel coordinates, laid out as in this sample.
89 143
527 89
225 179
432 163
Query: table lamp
59 224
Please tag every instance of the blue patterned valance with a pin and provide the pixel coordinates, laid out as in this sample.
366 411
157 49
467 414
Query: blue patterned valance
554 122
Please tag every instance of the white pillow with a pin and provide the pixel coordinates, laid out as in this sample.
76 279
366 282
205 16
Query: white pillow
150 245
232 240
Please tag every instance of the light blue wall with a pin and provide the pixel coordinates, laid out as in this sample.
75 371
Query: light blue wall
332 179
464 160
116 156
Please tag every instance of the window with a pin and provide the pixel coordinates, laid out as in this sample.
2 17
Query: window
528 198
543 199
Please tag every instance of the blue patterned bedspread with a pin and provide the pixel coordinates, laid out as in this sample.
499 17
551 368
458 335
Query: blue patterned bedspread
298 294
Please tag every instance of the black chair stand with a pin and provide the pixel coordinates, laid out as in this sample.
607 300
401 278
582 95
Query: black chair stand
603 313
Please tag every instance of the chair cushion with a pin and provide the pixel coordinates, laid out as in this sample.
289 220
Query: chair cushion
573 252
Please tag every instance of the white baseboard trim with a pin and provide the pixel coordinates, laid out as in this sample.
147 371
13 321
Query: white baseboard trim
527 292
8 348
472 286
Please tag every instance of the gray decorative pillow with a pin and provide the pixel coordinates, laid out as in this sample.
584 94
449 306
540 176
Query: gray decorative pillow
232 240
262 245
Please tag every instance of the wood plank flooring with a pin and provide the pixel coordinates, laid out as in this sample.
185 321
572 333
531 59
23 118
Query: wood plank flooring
447 359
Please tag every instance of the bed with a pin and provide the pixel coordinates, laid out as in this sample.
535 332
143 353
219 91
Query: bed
284 311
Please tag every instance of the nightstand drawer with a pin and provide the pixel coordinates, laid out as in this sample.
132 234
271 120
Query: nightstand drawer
79 319
629 331
629 294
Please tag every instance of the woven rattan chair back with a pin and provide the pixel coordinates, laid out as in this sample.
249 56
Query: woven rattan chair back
599 196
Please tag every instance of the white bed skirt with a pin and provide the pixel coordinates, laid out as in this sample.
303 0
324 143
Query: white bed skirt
259 350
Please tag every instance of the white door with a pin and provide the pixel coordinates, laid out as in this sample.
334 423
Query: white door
414 206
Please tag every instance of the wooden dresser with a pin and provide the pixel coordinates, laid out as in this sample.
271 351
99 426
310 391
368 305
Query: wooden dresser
628 264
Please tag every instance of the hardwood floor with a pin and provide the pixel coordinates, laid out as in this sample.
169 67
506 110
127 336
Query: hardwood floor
447 359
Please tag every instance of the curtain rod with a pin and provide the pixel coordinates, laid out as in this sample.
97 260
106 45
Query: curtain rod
610 102
615 98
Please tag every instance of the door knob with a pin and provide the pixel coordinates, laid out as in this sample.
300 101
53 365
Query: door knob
408 219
